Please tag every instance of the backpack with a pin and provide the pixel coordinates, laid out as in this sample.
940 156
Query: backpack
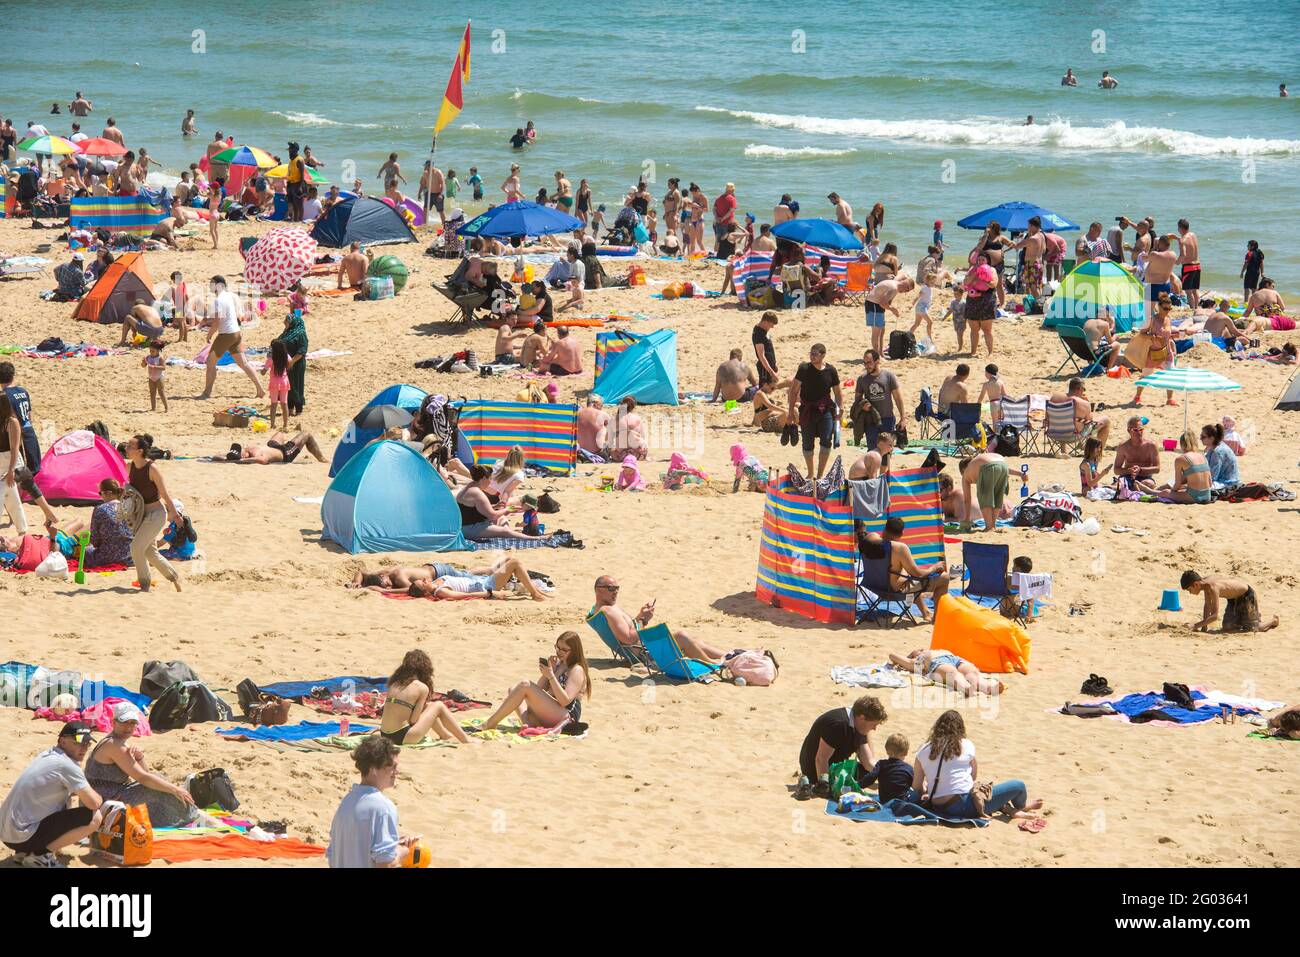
902 345
1034 515
1008 441
156 676
758 667
212 787
547 505
260 707
184 703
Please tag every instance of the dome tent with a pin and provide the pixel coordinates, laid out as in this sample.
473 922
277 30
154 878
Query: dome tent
388 498
406 397
1091 287
362 219
73 467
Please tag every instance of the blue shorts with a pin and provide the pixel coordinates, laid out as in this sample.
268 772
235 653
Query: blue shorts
944 659
1156 288
475 532
875 316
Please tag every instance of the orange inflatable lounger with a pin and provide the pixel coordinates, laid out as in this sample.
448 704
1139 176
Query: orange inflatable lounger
991 643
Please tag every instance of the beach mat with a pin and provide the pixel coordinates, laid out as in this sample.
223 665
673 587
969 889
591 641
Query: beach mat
297 690
346 291
231 847
899 811
302 731
1272 737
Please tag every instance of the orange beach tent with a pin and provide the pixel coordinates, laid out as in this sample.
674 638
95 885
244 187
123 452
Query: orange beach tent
112 297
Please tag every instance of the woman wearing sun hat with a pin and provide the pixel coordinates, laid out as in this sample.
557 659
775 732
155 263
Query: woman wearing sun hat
116 769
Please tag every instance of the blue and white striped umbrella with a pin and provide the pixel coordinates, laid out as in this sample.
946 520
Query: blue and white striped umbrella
1187 379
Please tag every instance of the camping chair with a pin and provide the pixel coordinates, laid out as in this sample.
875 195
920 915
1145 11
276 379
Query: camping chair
1015 412
1076 347
931 423
965 419
877 596
1059 434
465 302
627 654
857 280
986 571
667 658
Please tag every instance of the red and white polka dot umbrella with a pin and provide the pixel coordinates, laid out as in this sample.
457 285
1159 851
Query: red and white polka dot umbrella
280 258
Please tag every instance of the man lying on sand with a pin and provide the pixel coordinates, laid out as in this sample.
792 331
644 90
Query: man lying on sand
419 580
1241 609
279 448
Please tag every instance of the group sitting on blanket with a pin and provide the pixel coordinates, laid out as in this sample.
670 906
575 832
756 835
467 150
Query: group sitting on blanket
450 582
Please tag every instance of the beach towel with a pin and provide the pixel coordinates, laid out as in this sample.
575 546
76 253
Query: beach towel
99 716
120 215
518 732
1132 705
302 731
896 811
869 676
231 847
558 540
870 497
1259 735
345 291
298 690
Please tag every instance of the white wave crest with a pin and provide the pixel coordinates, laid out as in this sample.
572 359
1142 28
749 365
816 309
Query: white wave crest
315 119
995 134
762 149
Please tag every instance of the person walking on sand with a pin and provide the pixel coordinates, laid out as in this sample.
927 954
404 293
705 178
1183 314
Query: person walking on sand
143 476
1241 606
226 337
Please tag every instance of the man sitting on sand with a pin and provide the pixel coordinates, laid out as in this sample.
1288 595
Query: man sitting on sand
364 830
142 320
1137 459
35 820
354 266
625 627
565 355
876 460
1241 609
734 380
279 448
904 574
593 426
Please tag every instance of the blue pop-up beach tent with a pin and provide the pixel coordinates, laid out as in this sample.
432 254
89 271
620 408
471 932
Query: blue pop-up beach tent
389 498
406 397
362 219
645 370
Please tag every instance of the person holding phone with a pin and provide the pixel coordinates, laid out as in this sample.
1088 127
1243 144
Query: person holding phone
625 627
556 697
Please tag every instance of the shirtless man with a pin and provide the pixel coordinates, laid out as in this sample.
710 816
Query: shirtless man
1220 324
164 230
391 173
437 186
764 242
734 381
126 176
143 320
1034 244
1086 424
1160 269
843 212
784 210
987 474
904 574
189 127
954 388
1069 79
536 346
1100 333
513 189
430 580
593 426
565 355
875 461
504 348
279 448
1107 82
1189 263
80 106
625 626
880 298
1241 607
111 132
1137 459
354 266
216 146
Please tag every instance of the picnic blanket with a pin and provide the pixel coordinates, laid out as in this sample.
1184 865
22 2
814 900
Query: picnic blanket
558 540
370 704
1210 705
302 731
299 690
231 847
899 811
64 350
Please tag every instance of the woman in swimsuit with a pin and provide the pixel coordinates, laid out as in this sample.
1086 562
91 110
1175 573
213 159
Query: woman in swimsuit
871 230
557 696
563 194
1161 353
409 715
1192 480
945 668
770 415
583 210
696 204
1269 310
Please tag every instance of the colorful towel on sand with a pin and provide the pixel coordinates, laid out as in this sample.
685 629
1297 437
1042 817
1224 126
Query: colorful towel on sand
1130 706
231 847
518 732
73 568
98 716
899 811
543 541
18 679
352 742
302 731
869 676
370 704
348 684
120 215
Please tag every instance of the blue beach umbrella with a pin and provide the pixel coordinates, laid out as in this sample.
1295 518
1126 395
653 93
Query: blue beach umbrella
817 232
1014 217
521 218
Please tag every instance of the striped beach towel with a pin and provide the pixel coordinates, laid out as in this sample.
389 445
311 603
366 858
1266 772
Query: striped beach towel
547 433
120 215
757 265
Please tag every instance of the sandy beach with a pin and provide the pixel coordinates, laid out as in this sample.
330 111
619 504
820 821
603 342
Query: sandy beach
668 774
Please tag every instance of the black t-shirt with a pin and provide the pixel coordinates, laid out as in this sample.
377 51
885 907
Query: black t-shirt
892 776
835 727
815 384
761 337
518 141
1254 262
547 313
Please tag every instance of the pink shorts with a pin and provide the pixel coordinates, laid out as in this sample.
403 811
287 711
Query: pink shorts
277 393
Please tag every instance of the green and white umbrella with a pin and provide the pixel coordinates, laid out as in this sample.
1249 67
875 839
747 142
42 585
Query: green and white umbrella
1186 379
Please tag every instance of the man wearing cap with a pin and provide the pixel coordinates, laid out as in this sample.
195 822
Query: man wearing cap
724 213
71 277
35 820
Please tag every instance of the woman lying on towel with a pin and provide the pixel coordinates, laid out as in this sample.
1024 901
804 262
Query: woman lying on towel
946 768
117 770
479 518
409 715
558 694
945 668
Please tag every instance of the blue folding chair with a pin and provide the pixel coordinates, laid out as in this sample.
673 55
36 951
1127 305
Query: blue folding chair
668 659
877 596
930 422
965 418
986 569
627 654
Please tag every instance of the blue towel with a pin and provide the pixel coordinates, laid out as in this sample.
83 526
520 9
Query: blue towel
296 690
93 692
899 811
1135 704
302 731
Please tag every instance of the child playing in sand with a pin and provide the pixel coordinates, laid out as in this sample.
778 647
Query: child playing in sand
277 386
892 775
993 392
1090 476
154 363
629 477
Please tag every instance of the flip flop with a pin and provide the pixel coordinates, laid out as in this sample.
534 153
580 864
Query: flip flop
1033 825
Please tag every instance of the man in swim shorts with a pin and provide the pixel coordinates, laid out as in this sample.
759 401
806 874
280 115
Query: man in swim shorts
142 320
734 380
987 473
462 584
1189 263
1241 608
1160 268
279 448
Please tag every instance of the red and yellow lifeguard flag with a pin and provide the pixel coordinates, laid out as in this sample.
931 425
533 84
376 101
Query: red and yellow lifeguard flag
453 100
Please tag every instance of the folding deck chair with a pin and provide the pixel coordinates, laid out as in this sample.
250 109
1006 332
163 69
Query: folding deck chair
1059 434
465 303
627 654
965 418
857 280
668 659
986 572
1076 346
930 421
877 596
1015 413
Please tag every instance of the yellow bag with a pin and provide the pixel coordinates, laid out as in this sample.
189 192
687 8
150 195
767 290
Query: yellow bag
126 835
531 393
672 290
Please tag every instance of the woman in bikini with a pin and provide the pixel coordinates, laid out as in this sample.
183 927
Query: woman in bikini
1269 311
1161 354
556 697
770 415
409 715
945 668
1192 478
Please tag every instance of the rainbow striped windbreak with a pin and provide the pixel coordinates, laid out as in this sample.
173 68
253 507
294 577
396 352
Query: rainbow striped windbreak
120 215
547 433
757 264
808 557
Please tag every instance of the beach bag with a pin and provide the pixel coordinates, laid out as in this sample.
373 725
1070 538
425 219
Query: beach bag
758 294
44 685
1008 441
379 287
131 509
53 565
902 345
213 787
757 668
844 778
126 834
185 703
260 707
547 504
157 676
673 290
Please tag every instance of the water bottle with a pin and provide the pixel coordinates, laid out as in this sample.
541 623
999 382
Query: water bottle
343 726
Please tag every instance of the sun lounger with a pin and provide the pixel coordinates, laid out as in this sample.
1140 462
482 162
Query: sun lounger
667 658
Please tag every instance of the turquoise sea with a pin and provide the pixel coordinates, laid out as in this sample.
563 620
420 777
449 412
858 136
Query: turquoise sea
920 106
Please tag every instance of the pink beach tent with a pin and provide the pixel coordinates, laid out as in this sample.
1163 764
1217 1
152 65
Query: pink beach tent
73 467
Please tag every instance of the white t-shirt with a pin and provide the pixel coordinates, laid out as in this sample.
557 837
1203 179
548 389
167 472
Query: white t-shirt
37 130
77 137
578 271
955 778
364 830
227 311
43 788
310 208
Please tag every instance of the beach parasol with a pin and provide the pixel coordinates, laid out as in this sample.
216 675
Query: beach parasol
1186 379
381 418
98 146
818 232
280 258
1014 217
48 145
520 218
244 156
1091 287
282 171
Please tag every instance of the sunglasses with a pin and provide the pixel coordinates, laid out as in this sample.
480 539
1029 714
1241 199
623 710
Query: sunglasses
609 587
